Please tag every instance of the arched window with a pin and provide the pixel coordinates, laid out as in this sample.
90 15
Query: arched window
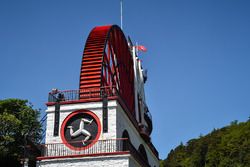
143 152
125 143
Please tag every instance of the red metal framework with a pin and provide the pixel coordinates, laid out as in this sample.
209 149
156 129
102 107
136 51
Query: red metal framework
107 61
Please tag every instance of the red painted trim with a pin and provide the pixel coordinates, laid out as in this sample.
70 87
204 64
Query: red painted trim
73 114
84 155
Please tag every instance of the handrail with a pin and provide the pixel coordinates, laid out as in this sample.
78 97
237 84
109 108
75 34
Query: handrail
101 146
74 95
120 145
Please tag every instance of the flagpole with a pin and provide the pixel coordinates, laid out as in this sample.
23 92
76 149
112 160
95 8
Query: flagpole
121 13
136 47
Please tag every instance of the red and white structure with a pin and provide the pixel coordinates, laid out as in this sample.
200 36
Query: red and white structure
106 122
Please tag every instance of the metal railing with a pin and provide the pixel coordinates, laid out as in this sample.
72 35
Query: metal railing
74 95
101 147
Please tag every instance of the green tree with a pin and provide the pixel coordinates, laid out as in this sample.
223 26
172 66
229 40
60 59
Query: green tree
225 147
19 125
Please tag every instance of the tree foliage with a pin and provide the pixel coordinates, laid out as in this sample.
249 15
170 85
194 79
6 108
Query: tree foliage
18 124
225 147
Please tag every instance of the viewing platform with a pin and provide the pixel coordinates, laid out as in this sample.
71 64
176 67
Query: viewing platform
82 95
100 148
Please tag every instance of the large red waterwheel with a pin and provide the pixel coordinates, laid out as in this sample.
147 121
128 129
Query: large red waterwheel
107 62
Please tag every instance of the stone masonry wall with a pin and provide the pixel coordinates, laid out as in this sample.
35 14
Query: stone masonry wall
123 123
117 123
95 107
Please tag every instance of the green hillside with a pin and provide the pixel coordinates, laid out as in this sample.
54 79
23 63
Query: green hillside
225 147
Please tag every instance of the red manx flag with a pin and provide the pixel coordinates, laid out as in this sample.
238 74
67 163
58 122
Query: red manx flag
141 48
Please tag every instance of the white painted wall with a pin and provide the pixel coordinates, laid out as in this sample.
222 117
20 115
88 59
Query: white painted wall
101 161
123 123
133 162
117 123
95 107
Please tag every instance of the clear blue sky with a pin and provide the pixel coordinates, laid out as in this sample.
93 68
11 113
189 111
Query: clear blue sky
198 56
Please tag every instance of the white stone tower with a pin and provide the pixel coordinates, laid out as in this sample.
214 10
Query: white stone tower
106 122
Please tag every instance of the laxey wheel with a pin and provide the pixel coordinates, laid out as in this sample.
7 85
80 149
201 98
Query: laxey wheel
108 63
